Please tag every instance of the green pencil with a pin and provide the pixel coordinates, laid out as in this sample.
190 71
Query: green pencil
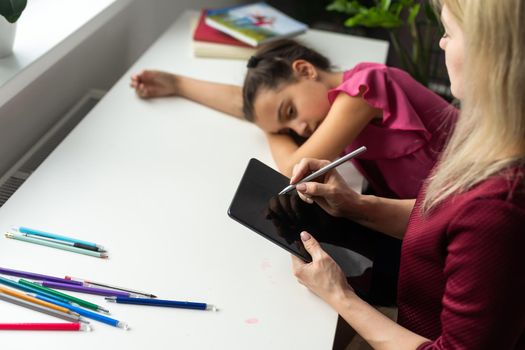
73 299
24 238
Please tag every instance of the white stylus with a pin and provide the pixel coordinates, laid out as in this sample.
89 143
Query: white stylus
325 169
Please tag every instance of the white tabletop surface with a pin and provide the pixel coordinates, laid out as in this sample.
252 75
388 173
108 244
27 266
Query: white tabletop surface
152 181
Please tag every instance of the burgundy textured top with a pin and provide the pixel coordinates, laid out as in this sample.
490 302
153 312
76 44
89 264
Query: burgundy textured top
462 275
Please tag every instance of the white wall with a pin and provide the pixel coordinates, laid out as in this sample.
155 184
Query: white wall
97 62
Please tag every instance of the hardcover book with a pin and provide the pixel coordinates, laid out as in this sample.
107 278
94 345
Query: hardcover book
211 43
254 24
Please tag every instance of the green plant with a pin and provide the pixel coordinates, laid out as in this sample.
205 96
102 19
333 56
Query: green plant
394 16
12 9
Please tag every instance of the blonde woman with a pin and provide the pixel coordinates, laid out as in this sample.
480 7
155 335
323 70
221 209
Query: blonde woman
462 276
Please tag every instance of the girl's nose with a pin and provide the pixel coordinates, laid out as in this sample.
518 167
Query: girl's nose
300 128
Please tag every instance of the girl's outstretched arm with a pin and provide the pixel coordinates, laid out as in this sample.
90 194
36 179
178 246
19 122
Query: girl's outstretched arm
222 97
345 120
347 117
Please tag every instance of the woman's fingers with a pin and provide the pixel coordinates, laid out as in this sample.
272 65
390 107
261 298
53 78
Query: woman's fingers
297 263
308 190
312 189
305 197
306 166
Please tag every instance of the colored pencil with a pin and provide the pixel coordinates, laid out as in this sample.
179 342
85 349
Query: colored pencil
31 299
21 237
36 276
89 314
30 231
163 303
84 289
78 301
15 284
71 244
41 309
105 285
45 327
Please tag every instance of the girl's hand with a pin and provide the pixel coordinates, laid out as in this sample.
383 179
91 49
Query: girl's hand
331 192
152 83
322 276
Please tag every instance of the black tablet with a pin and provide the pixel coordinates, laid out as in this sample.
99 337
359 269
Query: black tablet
280 219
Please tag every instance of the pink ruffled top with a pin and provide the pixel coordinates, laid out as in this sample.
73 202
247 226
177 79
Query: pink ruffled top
404 146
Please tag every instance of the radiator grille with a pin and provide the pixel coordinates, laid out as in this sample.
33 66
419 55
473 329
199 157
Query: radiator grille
19 173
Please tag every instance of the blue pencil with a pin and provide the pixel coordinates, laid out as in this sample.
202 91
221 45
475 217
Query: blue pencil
86 313
163 303
17 285
31 231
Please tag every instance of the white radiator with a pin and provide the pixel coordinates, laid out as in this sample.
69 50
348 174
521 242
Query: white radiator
25 166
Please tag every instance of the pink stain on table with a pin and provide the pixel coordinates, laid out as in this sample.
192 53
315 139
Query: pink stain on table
266 264
251 321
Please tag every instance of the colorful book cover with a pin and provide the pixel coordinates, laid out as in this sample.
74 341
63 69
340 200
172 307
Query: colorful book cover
206 33
254 24
209 42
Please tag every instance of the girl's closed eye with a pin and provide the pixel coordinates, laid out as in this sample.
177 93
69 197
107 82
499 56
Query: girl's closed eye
445 35
284 131
290 112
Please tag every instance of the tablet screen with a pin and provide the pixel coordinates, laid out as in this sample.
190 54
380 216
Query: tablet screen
281 219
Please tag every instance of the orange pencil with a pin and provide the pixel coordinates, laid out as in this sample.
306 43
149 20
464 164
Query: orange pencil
33 300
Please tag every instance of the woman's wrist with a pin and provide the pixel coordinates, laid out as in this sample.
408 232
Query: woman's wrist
362 209
389 216
342 299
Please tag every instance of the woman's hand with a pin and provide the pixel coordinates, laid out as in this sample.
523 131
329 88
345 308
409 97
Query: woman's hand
331 192
322 276
153 83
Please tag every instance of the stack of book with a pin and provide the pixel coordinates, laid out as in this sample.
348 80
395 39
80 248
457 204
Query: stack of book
235 32
209 42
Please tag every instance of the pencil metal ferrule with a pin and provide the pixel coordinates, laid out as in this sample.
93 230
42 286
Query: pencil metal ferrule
211 308
85 327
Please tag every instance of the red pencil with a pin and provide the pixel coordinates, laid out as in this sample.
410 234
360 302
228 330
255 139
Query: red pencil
44 327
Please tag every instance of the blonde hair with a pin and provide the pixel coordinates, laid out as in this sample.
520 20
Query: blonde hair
490 133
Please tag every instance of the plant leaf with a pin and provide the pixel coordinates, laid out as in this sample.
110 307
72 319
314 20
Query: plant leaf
385 4
12 9
337 5
412 13
430 13
345 6
374 17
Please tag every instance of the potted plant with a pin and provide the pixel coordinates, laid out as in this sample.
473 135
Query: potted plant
396 16
10 11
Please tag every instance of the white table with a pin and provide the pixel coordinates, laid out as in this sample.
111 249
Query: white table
151 181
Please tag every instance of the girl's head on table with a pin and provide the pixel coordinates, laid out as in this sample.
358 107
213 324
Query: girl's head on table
286 87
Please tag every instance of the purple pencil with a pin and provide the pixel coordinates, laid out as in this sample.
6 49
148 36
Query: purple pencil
36 276
84 289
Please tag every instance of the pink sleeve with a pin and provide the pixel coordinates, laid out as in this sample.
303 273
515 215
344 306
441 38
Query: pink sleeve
385 88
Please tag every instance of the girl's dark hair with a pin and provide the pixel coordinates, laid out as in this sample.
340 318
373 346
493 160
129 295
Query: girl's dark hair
272 65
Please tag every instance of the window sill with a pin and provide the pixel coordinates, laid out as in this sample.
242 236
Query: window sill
46 31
